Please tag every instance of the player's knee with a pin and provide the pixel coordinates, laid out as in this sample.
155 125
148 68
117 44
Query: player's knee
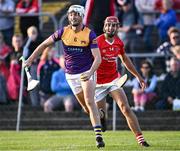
125 109
89 103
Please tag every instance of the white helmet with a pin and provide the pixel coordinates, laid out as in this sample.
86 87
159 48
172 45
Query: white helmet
77 8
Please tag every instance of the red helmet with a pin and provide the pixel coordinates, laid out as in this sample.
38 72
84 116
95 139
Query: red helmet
111 19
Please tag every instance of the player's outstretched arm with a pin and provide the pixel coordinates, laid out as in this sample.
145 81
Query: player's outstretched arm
130 67
47 42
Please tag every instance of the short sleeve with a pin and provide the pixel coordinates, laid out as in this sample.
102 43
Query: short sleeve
57 35
93 41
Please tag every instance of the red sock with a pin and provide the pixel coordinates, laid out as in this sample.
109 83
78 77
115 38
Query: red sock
140 138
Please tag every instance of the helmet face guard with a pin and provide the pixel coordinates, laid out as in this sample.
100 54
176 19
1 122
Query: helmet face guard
78 9
111 20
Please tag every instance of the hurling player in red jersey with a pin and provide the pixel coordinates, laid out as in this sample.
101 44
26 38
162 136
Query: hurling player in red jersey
111 47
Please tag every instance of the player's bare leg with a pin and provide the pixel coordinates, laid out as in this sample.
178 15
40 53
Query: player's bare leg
86 99
120 97
80 99
103 113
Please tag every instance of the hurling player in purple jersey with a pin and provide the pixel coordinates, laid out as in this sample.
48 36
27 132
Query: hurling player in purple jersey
82 58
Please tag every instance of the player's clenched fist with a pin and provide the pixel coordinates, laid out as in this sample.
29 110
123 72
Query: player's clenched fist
85 76
27 63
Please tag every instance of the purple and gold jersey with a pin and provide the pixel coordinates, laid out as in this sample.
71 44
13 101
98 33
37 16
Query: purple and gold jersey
77 48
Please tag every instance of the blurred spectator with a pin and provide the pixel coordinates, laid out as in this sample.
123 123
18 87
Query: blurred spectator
174 39
17 44
96 12
166 20
32 41
176 7
46 67
171 86
176 51
165 49
5 51
141 97
13 82
130 31
146 9
28 7
7 23
131 27
3 91
63 94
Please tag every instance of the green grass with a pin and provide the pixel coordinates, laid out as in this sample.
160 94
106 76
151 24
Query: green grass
84 141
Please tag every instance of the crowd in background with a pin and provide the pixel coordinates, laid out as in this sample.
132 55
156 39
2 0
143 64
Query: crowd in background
146 26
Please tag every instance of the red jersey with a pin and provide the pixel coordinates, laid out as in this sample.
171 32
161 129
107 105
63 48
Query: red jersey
107 70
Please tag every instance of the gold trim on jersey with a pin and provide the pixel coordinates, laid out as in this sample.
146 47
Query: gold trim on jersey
70 38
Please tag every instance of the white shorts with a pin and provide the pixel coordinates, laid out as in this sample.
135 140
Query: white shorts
102 91
74 81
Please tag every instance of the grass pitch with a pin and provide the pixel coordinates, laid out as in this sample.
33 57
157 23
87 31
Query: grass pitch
85 141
